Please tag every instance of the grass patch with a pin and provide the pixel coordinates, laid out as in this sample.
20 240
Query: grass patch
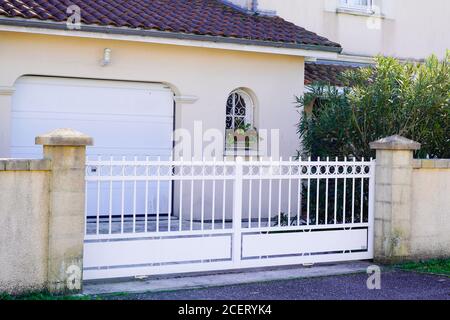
436 266
44 296
113 296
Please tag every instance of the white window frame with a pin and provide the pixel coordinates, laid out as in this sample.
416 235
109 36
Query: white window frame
249 119
353 5
249 106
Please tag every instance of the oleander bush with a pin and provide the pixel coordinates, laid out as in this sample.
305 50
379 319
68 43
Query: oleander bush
391 97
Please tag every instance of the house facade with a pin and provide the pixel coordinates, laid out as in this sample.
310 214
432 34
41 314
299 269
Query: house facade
202 65
172 79
408 30
208 55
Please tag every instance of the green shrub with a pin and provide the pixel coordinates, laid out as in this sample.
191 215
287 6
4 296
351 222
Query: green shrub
409 99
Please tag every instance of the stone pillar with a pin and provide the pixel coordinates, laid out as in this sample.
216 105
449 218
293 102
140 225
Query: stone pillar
393 189
66 149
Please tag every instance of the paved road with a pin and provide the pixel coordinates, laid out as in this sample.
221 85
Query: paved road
395 285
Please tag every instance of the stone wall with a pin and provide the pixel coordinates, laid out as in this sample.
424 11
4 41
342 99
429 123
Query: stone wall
430 216
42 217
412 203
42 211
24 213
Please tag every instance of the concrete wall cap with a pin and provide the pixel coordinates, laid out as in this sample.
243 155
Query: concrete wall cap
25 165
395 143
64 137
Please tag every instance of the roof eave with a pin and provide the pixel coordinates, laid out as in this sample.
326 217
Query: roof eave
164 34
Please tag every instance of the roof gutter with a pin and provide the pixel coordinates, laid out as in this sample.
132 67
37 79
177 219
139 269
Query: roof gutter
162 34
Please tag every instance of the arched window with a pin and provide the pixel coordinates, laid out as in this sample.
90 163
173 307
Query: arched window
239 110
241 133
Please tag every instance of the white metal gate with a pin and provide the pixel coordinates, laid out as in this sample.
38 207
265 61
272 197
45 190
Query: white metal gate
148 217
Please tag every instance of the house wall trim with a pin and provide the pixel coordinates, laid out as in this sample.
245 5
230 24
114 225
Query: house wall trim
186 99
6 91
171 38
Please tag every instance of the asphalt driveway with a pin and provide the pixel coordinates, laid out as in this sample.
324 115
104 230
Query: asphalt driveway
395 285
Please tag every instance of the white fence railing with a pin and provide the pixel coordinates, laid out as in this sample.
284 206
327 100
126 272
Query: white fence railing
146 198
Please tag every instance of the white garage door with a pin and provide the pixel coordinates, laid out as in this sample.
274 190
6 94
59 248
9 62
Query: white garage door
124 118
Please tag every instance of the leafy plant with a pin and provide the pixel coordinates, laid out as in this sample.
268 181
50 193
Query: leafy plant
284 221
244 134
244 127
335 208
409 99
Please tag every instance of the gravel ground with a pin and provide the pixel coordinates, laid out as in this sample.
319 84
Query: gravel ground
395 285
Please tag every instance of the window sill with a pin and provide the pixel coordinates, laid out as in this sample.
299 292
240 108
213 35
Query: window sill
359 12
241 153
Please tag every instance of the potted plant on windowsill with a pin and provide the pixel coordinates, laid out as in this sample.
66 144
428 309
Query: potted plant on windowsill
244 137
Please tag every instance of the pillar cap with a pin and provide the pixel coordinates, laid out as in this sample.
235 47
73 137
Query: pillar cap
64 137
395 143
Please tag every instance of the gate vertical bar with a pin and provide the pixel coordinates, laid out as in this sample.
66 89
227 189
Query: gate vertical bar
86 201
202 222
147 173
158 187
326 191
237 211
110 194
180 213
260 169
361 215
98 196
122 212
213 205
318 191
134 194
269 209
169 198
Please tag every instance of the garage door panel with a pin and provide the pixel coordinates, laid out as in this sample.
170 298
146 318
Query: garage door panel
124 118
91 116
87 97
115 133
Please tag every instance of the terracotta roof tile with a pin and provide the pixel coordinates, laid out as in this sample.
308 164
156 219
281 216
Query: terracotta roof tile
325 73
200 17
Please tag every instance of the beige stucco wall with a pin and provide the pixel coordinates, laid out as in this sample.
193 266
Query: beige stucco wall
42 216
412 206
430 217
209 74
407 28
24 211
